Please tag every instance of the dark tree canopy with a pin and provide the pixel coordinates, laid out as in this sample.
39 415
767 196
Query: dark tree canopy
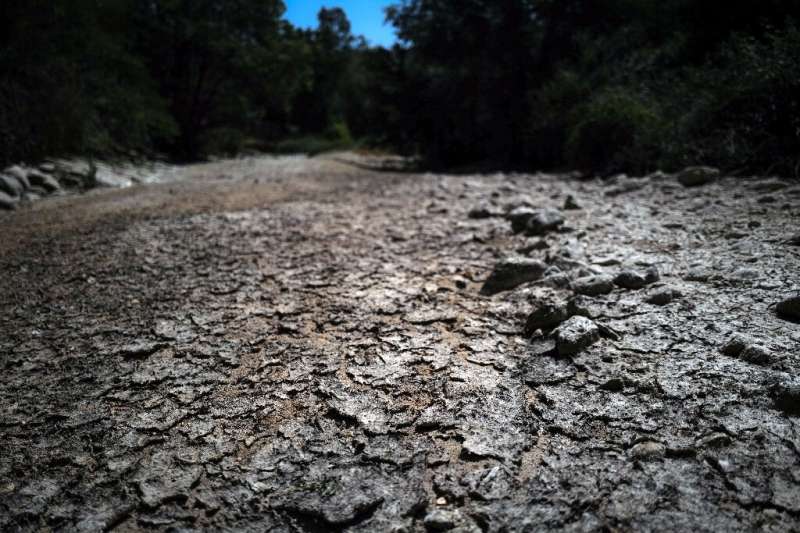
601 85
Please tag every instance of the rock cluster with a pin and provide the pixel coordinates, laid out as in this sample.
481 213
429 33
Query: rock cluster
20 183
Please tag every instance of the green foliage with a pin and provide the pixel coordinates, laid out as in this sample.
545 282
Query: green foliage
606 85
613 131
337 137
68 82
553 116
751 116
211 60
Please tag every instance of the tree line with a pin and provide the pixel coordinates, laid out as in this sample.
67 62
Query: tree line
597 85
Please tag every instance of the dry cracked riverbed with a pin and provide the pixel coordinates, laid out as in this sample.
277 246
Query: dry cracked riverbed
305 347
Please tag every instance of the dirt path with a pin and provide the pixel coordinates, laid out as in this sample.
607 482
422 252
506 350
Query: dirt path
302 346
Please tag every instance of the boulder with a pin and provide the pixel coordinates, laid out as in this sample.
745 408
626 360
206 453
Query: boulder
769 185
593 285
625 184
534 222
632 280
697 176
11 186
546 316
7 202
786 395
519 218
485 210
736 344
19 173
757 355
512 272
663 296
544 221
45 181
440 520
747 349
571 204
647 451
789 309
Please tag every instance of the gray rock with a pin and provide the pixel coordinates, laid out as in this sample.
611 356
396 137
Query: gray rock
538 244
484 211
139 350
558 280
571 204
757 354
430 317
19 174
663 296
440 520
613 385
786 395
11 186
769 185
546 316
632 280
580 305
747 349
626 185
647 451
7 202
575 335
512 272
700 274
593 285
544 221
737 344
789 309
519 218
481 446
488 484
45 181
697 176
716 439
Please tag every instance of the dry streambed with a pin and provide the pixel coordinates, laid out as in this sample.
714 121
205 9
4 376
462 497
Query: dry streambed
412 353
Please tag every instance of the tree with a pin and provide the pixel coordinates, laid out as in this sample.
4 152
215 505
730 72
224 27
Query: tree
321 104
471 64
69 82
210 58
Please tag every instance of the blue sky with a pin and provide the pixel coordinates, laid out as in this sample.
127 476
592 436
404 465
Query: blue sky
366 17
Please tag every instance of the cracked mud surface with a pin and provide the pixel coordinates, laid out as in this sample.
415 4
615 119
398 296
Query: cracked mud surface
312 352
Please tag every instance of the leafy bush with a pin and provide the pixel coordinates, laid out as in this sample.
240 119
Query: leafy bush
553 104
614 131
752 120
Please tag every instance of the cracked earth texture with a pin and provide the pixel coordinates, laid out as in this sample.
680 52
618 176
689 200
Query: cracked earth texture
304 346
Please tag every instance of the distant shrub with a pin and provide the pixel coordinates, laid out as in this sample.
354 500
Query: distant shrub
613 131
552 106
752 118
339 133
224 141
